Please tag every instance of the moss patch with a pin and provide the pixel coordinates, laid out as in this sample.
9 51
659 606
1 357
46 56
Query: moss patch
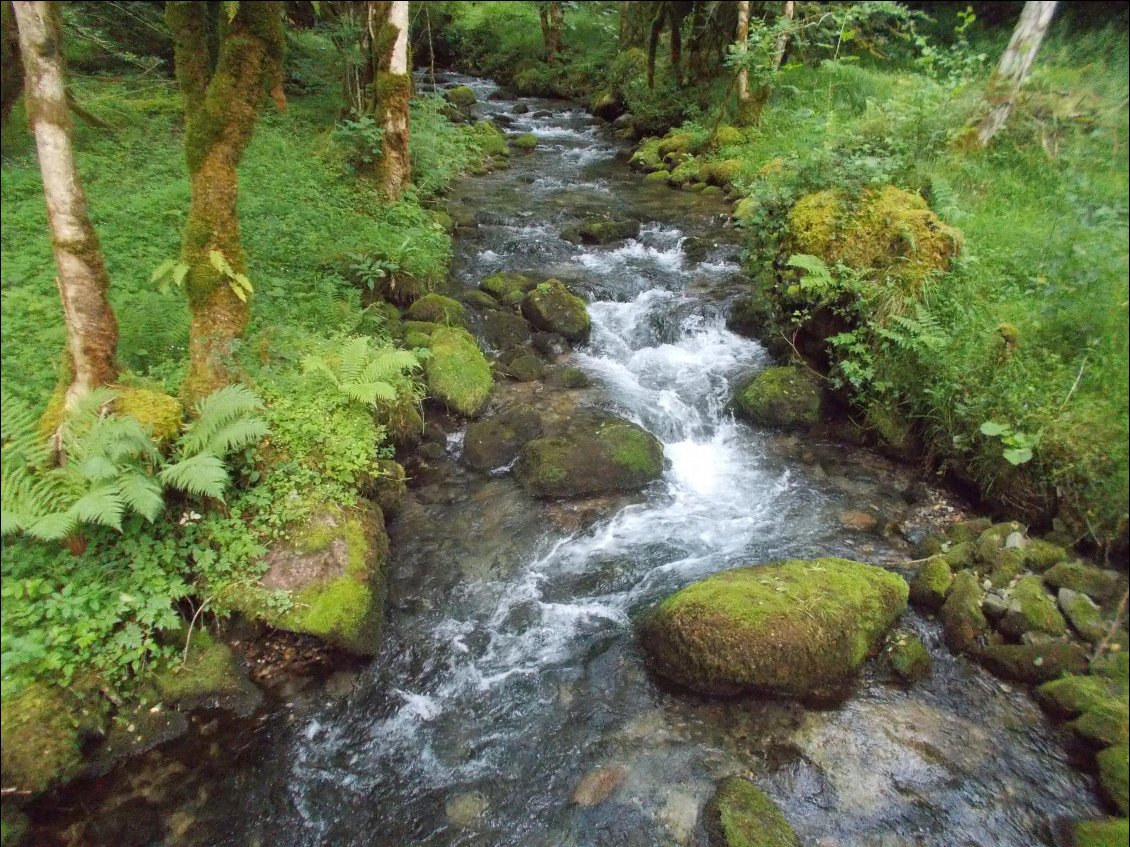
526 142
788 397
506 285
211 678
931 584
1113 775
963 622
793 628
457 373
462 96
741 815
1032 609
158 412
38 741
437 309
551 307
1087 579
1112 832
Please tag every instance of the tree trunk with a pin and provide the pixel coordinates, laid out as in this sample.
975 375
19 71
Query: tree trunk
743 39
223 68
393 87
549 13
11 66
92 331
1015 64
657 24
783 38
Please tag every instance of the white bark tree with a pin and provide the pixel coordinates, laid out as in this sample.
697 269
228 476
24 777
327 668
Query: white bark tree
92 331
1015 64
743 38
783 38
394 86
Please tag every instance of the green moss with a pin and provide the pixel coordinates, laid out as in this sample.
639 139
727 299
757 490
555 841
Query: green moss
741 815
161 414
462 96
210 678
13 822
526 141
1073 695
968 530
726 136
1113 775
1085 617
436 309
932 582
488 137
646 157
1094 582
600 231
959 556
1032 609
793 628
457 373
1104 723
907 656
1034 663
38 741
1112 832
401 418
1040 555
991 543
782 396
657 176
721 174
632 448
551 307
963 621
683 173
506 285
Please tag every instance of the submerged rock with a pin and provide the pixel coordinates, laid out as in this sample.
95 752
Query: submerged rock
598 785
551 307
795 628
494 442
742 815
597 453
789 397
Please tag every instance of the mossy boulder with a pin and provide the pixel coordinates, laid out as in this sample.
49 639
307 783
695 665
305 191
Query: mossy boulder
479 301
567 377
907 656
210 678
657 176
503 330
959 556
750 316
489 139
992 543
646 157
551 307
1085 616
1039 555
402 420
968 530
596 454
1032 609
1108 832
600 231
888 231
39 745
789 397
495 442
930 585
333 570
525 367
963 622
461 96
457 374
741 815
794 628
721 174
607 105
1096 583
1112 764
525 142
726 136
508 287
437 309
1034 663
1106 723
1073 695
417 334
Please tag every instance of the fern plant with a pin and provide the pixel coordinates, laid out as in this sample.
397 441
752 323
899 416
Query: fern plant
363 373
111 466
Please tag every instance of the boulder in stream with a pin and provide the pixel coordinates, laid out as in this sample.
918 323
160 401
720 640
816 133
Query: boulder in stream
457 374
600 231
794 628
789 397
742 815
495 441
551 307
596 453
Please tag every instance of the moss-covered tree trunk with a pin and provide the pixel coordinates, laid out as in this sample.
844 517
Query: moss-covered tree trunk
12 82
550 16
92 331
1015 64
393 88
224 68
743 46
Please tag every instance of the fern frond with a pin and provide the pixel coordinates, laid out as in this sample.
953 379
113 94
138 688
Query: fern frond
53 526
202 475
217 411
239 433
142 494
355 356
103 505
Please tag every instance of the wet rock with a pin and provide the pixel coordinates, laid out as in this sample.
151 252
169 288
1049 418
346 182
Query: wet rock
520 108
457 375
606 105
600 231
1086 618
1113 775
480 301
135 732
859 520
797 628
907 656
678 814
525 367
789 397
437 309
750 316
525 142
931 584
550 344
1096 583
963 622
551 307
1032 609
567 378
503 330
994 605
596 453
463 810
598 785
508 287
210 678
495 442
39 746
1035 663
741 815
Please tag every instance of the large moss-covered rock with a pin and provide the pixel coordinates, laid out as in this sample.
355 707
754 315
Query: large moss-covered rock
503 330
437 309
494 442
789 397
796 628
930 585
1096 583
597 453
210 677
508 287
741 815
333 571
1039 555
551 307
457 374
889 231
963 622
1034 663
600 231
462 96
1074 694
1032 609
1085 616
1106 723
1113 775
39 745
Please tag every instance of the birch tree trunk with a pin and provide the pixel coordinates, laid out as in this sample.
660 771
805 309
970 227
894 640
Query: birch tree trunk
1008 78
743 38
783 38
92 331
393 88
10 63
223 69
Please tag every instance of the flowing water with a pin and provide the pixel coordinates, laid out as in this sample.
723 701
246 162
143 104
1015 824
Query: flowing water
510 668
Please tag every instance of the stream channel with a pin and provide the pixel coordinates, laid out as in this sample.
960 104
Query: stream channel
510 668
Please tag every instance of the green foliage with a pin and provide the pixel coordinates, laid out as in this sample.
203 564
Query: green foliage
363 374
1018 446
361 135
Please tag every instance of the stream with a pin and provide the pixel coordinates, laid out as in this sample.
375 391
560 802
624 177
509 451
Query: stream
510 668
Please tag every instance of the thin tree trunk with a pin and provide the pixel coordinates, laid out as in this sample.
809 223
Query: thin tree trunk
653 42
10 64
393 87
743 39
550 16
1015 64
223 81
92 331
783 38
